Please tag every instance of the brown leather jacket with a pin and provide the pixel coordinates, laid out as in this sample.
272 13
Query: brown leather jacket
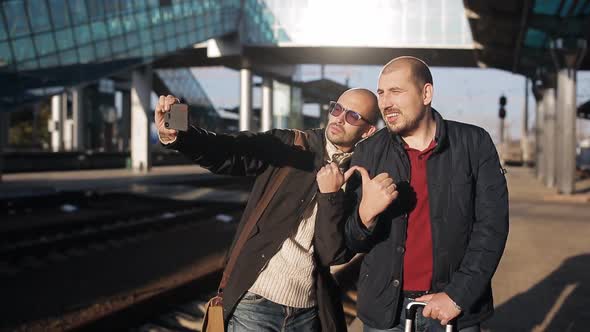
261 155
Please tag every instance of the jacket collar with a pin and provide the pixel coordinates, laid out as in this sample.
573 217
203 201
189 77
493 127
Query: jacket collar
317 144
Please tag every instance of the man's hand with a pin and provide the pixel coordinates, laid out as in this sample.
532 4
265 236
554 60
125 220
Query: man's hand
440 306
330 179
378 193
166 135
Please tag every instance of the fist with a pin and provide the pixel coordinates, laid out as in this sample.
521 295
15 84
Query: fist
330 179
166 135
440 306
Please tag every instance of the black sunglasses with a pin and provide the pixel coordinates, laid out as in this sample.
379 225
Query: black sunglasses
353 118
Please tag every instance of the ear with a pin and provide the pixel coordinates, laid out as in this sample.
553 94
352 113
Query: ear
427 93
372 129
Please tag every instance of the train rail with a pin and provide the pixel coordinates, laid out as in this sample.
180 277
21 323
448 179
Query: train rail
170 298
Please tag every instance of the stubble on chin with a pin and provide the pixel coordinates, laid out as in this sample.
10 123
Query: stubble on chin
338 139
406 127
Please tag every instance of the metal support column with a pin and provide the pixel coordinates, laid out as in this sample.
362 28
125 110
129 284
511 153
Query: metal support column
566 130
524 137
267 110
245 99
141 117
539 149
549 135
567 56
79 119
56 123
4 128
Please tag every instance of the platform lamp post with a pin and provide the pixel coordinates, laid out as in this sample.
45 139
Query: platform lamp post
567 55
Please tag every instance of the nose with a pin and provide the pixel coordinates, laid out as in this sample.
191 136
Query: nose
340 118
385 102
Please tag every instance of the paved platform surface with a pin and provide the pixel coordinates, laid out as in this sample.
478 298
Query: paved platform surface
543 280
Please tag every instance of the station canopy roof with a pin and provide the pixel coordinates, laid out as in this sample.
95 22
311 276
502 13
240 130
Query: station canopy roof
517 35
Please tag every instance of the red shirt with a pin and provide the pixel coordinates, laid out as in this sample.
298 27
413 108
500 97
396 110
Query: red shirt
418 255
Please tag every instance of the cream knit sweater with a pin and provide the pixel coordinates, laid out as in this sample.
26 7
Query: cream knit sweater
289 277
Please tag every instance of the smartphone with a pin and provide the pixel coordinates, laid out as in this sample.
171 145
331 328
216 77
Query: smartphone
177 117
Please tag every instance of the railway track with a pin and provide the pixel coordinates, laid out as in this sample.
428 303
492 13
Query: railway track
39 229
22 248
170 299
188 316
151 281
62 269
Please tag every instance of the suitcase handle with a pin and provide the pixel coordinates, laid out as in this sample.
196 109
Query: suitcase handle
411 310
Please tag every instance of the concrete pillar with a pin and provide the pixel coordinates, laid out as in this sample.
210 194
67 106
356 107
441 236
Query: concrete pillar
281 104
567 55
79 120
549 136
56 123
4 128
324 115
141 88
245 99
67 126
35 125
524 137
118 122
125 131
296 112
540 166
266 121
68 135
566 130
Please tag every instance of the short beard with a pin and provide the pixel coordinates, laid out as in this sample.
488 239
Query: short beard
410 125
336 140
342 140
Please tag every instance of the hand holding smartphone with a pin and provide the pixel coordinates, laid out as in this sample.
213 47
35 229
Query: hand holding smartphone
177 117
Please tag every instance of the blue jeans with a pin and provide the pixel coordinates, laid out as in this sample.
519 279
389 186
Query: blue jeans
421 324
255 313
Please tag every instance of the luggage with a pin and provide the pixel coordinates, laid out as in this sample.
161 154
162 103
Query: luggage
411 310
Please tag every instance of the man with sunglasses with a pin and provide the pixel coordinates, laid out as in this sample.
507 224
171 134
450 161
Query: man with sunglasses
441 239
281 280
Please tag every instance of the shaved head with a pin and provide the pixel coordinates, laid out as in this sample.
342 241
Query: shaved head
368 97
345 133
420 72
405 94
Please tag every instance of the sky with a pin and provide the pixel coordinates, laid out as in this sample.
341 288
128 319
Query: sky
463 94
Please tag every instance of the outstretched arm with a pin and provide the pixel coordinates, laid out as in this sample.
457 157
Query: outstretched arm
244 153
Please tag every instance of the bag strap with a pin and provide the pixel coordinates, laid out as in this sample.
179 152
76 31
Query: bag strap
277 180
